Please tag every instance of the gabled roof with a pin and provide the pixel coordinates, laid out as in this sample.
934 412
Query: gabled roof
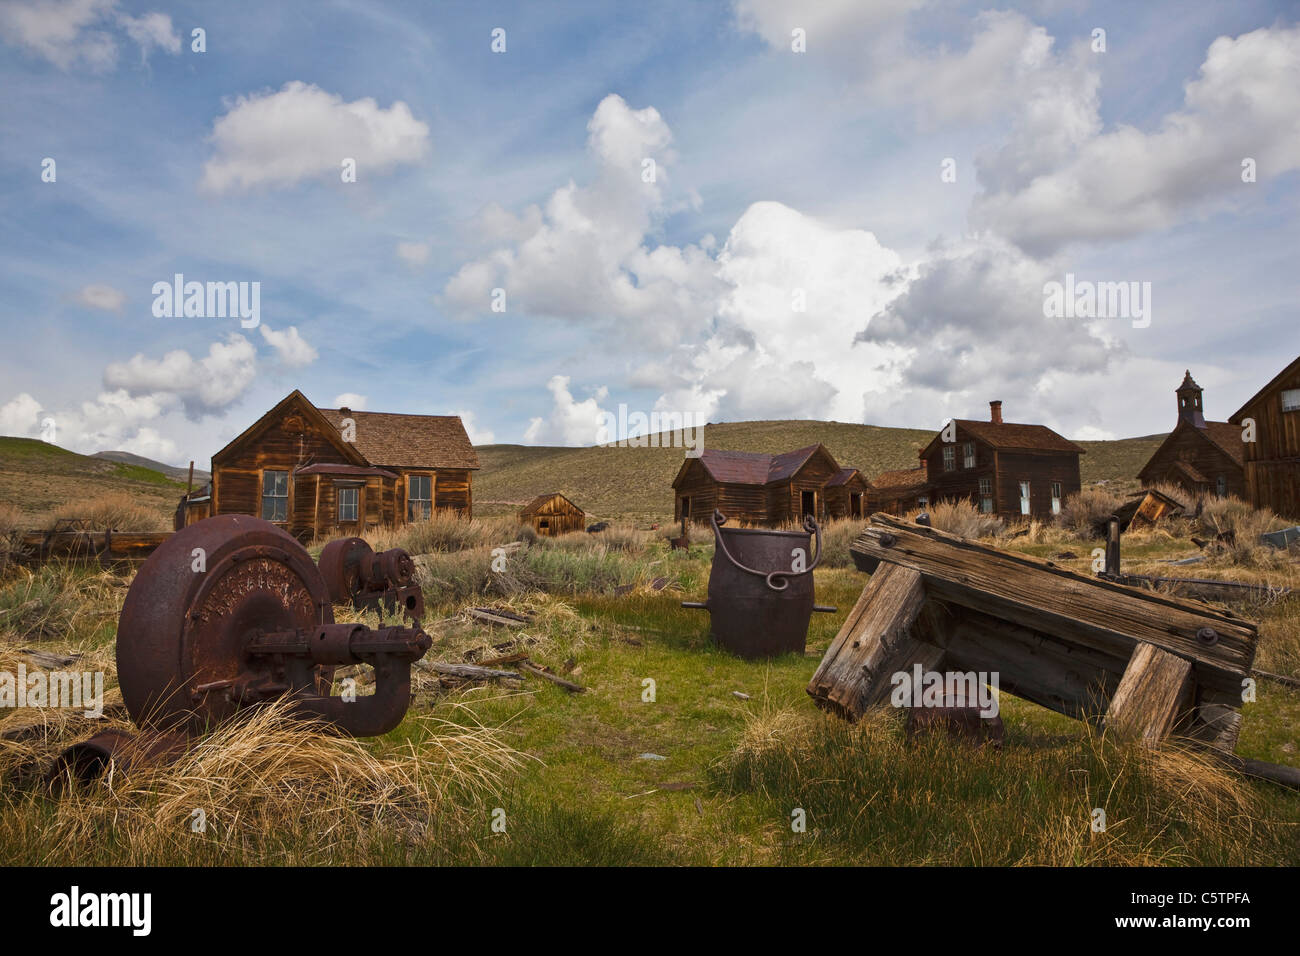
1012 436
408 441
842 477
311 413
756 468
900 480
535 506
1290 370
1224 436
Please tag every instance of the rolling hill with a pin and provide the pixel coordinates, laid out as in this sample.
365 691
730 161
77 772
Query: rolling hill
171 471
636 482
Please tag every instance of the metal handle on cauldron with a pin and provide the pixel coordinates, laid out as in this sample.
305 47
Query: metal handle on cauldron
809 525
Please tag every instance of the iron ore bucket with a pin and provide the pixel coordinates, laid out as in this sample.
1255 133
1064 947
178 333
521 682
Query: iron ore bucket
761 588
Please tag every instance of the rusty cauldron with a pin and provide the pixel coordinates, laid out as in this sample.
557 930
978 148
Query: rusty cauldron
761 588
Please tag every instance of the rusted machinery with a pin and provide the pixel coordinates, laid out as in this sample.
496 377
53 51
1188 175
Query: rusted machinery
231 612
761 588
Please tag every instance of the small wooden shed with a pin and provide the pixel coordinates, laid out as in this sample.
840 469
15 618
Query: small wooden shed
553 514
846 494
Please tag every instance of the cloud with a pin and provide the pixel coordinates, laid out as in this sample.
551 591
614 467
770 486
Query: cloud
203 385
302 132
101 297
569 422
585 256
292 349
152 31
20 416
1125 181
351 400
477 434
71 33
114 421
413 253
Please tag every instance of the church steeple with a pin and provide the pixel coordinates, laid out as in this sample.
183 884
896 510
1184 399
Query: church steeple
1190 409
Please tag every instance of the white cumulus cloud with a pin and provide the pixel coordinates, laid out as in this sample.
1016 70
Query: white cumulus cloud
569 421
292 349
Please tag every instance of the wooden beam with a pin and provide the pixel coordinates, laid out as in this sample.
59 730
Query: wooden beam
1152 695
1092 613
875 642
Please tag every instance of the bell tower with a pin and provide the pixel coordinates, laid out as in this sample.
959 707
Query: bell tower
1190 409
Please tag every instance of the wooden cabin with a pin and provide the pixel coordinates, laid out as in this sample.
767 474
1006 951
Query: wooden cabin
1203 458
312 470
1272 459
753 488
553 514
899 492
846 494
1005 468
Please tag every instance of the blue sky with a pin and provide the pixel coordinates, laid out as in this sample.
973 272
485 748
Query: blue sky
780 177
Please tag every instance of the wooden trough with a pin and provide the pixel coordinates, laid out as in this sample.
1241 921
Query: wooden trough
1144 663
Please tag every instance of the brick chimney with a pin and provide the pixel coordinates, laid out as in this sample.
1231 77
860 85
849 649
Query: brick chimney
995 412
345 411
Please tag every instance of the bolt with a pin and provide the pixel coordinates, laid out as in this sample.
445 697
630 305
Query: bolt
1207 636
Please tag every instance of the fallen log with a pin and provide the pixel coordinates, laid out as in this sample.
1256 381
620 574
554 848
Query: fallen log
467 671
572 688
496 618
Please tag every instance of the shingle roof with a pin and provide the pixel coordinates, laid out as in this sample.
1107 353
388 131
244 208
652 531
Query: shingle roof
1011 435
409 441
842 477
753 468
1227 437
900 480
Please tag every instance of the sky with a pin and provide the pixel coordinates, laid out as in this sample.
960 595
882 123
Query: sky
530 214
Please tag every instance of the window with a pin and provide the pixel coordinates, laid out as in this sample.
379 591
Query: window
1221 486
1056 497
348 503
968 454
1291 400
923 501
986 495
275 496
419 497
949 458
1024 497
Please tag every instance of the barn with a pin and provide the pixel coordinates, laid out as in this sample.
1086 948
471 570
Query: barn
1005 468
312 469
1269 427
846 494
754 488
1203 458
553 514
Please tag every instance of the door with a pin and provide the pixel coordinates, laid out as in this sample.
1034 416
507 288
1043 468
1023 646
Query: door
808 500
1024 497
855 504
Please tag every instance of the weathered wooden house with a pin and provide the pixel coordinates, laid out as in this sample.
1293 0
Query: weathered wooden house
754 488
846 494
553 514
313 469
1005 468
1272 459
1202 458
899 492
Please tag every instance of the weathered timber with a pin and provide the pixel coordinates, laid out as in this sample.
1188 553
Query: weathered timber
494 618
1152 695
1087 612
572 688
467 671
40 546
874 643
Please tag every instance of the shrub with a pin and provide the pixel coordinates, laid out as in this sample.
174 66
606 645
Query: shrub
116 511
962 518
1085 513
1236 527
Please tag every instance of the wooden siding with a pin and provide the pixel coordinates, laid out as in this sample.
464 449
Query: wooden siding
558 515
1272 469
1189 444
1004 470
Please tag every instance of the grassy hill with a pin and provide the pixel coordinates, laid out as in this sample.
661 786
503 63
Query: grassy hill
636 482
171 471
38 477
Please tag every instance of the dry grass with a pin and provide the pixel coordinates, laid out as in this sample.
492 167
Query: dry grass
1236 528
962 518
115 511
1085 514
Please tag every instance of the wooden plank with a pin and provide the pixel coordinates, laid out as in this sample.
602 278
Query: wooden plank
1038 595
875 642
1152 695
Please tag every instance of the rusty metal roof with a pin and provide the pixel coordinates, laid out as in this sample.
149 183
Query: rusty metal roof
842 477
409 441
1012 436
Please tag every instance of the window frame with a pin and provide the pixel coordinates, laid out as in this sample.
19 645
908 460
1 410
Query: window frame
264 497
411 498
339 490
1026 498
1295 399
949 457
968 454
1058 495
